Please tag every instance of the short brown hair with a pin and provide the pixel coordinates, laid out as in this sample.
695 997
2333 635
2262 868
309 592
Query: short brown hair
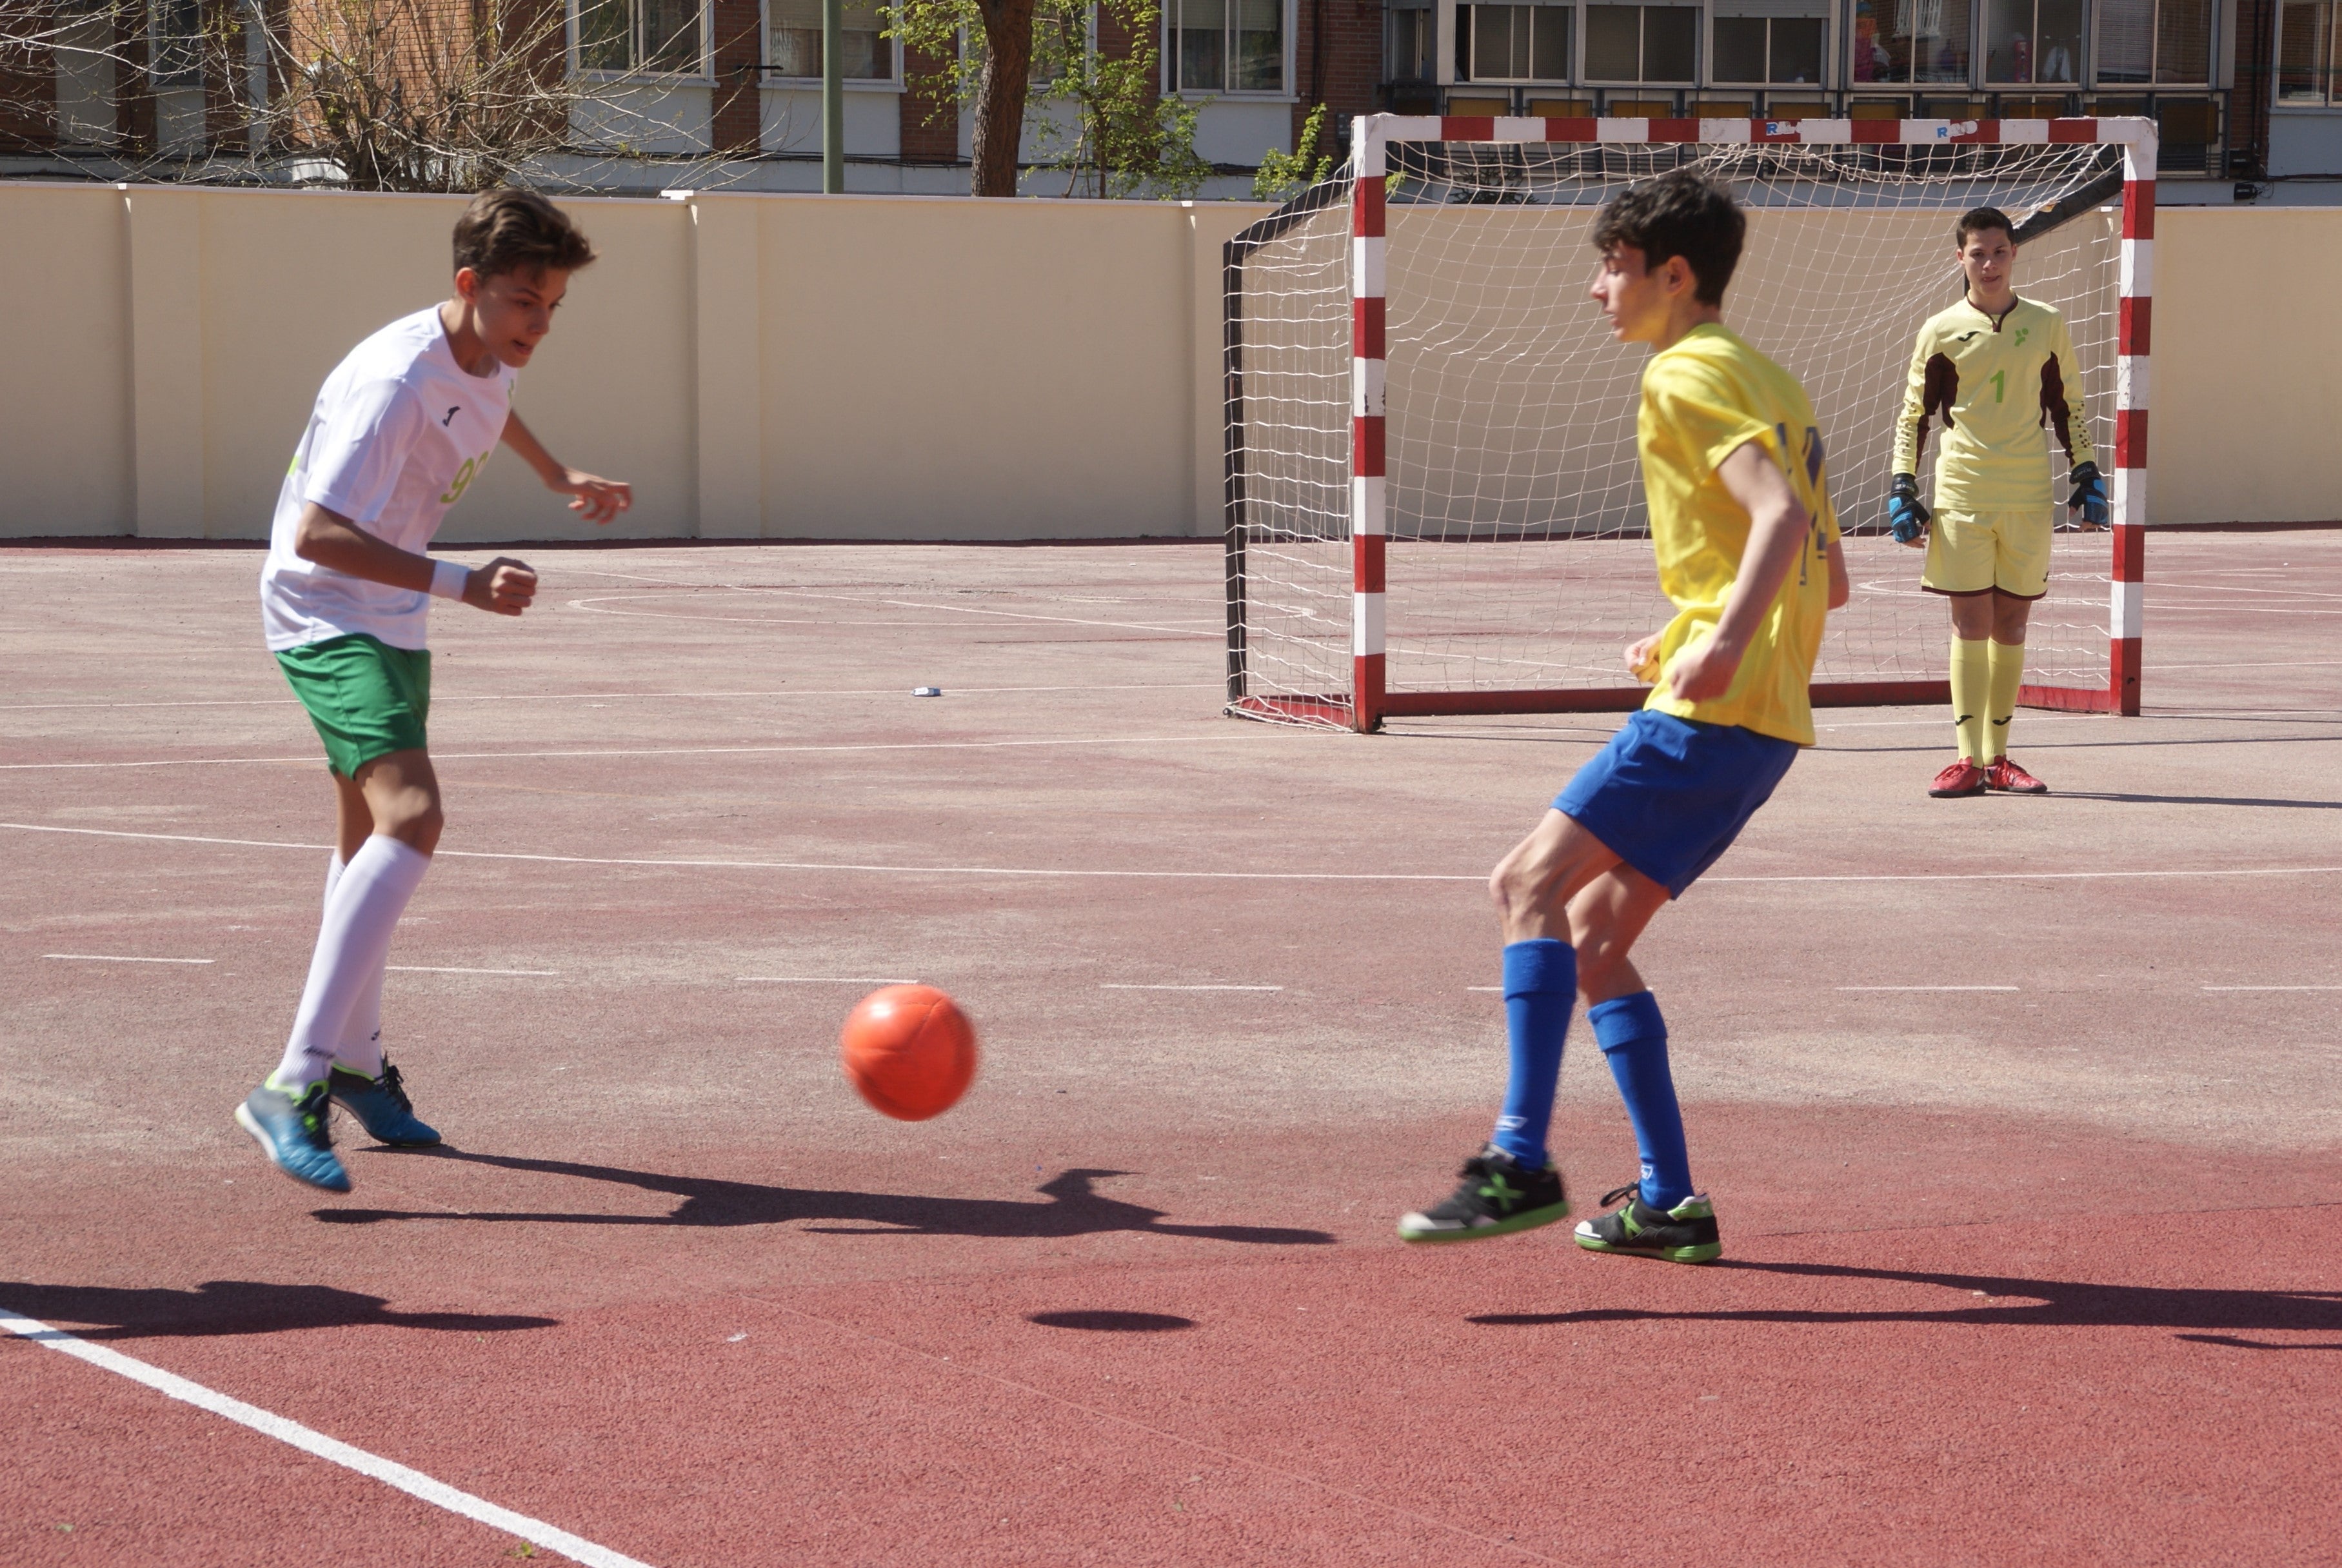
1679 213
1975 220
510 230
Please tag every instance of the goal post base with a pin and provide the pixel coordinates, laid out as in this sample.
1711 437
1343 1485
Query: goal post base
1333 710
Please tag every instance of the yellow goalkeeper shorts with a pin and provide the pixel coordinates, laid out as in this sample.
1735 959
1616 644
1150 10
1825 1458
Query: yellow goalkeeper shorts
1978 551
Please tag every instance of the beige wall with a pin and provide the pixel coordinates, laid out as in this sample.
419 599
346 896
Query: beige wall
2248 396
874 367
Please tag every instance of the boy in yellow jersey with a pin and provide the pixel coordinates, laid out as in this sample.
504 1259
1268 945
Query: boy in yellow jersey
1747 550
1996 370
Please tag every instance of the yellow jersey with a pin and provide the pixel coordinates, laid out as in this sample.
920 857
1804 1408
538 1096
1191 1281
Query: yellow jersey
1704 396
1996 385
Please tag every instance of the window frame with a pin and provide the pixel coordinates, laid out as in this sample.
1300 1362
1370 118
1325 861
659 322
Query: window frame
2329 95
706 73
2086 50
1824 84
2093 82
158 41
1574 9
1428 24
1288 19
768 77
1699 46
1913 83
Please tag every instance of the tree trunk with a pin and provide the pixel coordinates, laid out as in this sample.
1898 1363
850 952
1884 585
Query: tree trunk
1000 96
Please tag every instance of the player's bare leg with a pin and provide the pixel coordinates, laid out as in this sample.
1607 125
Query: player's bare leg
1605 918
400 793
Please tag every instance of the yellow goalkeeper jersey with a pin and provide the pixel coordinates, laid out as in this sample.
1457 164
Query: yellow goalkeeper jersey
1998 388
1705 397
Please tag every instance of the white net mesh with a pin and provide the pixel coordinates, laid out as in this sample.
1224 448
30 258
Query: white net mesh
1518 558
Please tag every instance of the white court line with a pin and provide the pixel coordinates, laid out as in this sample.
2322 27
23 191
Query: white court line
593 607
1098 873
426 969
665 752
819 980
414 1482
1926 988
2273 988
1191 988
609 696
118 958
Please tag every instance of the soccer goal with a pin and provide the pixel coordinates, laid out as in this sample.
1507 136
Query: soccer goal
1433 502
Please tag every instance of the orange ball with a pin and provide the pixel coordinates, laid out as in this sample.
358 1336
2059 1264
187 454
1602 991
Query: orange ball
909 1051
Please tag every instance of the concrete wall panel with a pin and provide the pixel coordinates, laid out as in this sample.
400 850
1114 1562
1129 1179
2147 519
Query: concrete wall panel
66 450
880 368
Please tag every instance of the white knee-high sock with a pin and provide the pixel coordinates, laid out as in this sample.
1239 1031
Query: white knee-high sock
361 1046
353 945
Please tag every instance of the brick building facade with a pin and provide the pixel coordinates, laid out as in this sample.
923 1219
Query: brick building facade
2248 93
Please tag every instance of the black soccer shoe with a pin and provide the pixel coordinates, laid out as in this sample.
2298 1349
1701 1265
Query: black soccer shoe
1684 1235
1496 1198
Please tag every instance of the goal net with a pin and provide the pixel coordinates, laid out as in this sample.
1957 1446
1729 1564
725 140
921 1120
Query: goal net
1434 502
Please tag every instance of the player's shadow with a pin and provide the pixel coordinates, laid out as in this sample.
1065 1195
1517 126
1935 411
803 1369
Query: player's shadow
2010 1300
222 1307
1071 1206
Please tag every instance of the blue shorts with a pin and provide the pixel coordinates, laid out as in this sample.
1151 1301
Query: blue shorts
1668 796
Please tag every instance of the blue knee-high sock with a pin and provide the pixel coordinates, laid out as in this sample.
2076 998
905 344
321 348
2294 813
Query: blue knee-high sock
1540 989
1633 1040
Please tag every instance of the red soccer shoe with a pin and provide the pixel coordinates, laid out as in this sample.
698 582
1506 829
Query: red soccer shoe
2002 774
1960 778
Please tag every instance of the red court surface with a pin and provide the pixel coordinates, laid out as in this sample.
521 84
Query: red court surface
2023 1116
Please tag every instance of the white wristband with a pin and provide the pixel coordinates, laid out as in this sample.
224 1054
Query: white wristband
447 580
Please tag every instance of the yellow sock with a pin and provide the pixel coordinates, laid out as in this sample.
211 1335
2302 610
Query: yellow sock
1971 674
2008 661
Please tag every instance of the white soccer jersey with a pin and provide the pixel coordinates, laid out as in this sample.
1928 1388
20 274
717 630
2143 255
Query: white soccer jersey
399 432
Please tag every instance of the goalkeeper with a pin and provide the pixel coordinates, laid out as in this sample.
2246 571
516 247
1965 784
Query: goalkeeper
1998 372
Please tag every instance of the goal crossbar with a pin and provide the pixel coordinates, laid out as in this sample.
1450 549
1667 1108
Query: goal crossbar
1363 513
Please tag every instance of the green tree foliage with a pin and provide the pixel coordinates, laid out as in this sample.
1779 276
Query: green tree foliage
1284 176
1101 121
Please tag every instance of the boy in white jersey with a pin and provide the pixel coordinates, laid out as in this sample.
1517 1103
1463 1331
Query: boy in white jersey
400 431
1996 370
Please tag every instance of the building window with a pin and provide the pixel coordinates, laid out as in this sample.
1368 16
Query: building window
2167 43
1513 43
2305 51
2027 41
1409 45
175 42
866 54
1226 46
1903 40
1753 42
1641 43
661 35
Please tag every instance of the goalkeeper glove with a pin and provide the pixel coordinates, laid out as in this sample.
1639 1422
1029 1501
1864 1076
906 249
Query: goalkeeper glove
2089 498
1906 518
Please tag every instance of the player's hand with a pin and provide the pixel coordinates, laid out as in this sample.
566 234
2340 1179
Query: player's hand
2088 502
504 586
1906 518
1643 658
1702 671
597 499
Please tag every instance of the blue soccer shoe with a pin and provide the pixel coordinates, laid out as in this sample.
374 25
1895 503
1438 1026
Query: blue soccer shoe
296 1133
381 1106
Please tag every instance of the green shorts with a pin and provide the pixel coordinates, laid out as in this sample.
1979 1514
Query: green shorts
366 698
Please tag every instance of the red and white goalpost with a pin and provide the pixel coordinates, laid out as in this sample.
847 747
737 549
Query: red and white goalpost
1433 502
